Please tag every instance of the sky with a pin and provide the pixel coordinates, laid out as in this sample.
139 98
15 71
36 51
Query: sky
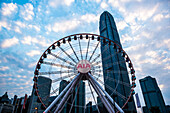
28 27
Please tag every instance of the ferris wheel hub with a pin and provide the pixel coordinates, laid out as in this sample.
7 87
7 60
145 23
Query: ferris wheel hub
83 66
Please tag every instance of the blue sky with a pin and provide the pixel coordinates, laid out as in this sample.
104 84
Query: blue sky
28 27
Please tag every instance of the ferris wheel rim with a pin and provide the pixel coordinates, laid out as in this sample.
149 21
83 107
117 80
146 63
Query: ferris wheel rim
35 75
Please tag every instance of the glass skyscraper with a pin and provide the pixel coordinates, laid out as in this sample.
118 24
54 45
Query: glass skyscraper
35 106
116 70
79 102
80 98
152 95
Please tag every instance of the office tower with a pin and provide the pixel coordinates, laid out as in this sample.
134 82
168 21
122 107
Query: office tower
44 86
80 98
118 69
89 107
101 106
152 95
63 84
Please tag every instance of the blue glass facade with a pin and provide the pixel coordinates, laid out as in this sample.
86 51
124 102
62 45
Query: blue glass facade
152 95
43 92
89 107
114 66
80 98
63 84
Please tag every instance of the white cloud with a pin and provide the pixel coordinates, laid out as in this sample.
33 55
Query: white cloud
125 38
20 24
32 65
161 86
17 29
68 2
5 25
103 5
121 25
65 25
27 13
157 17
8 9
164 43
28 26
4 68
29 40
55 3
152 54
35 27
89 18
33 53
9 42
68 25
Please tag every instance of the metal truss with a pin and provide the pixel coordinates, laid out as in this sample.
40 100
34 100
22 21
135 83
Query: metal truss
64 96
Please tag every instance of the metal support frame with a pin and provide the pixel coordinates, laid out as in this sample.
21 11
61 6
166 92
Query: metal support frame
67 95
108 102
61 94
102 97
108 96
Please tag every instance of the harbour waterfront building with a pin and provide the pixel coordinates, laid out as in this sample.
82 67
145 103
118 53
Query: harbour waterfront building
152 96
35 106
117 70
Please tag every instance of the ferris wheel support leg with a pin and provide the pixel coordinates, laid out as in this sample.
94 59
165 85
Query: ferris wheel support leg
67 95
108 96
102 97
61 94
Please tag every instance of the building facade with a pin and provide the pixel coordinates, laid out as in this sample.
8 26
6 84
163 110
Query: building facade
115 66
44 91
152 95
80 98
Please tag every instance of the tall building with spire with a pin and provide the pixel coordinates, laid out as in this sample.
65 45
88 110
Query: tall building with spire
118 71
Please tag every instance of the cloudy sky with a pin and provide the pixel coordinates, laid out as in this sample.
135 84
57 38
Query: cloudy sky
28 27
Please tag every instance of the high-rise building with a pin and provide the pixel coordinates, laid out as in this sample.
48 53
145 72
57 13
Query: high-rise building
118 69
63 84
44 86
152 95
89 107
80 98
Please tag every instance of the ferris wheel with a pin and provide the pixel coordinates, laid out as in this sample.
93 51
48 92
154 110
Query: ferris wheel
80 67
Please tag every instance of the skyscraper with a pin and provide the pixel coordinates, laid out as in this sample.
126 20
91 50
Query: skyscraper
117 71
152 95
63 84
44 86
80 98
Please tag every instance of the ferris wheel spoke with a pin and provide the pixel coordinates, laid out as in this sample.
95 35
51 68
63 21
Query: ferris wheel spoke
64 60
87 48
110 56
111 72
54 72
80 49
114 91
93 51
58 65
74 97
98 62
114 63
74 51
98 56
93 97
112 79
67 54
63 77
